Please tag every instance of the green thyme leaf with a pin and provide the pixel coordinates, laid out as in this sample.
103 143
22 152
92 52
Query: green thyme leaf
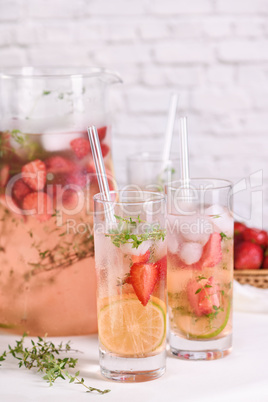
198 291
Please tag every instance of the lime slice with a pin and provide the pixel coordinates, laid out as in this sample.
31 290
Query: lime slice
128 328
199 329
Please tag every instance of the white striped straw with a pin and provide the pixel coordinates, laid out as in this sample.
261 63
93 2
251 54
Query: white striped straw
169 129
100 170
184 156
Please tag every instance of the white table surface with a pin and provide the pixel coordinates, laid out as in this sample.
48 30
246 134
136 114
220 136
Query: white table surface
241 376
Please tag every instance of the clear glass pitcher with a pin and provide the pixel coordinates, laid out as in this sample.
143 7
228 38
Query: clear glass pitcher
47 183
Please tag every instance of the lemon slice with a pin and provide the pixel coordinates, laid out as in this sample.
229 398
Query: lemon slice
200 329
129 329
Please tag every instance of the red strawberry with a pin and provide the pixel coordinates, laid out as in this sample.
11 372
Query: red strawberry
209 297
162 267
239 228
81 147
38 204
58 164
102 133
256 236
248 256
212 253
265 261
104 149
4 175
203 295
20 190
143 279
141 258
34 174
78 178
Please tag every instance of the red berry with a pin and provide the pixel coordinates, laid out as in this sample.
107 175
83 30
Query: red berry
265 260
256 236
141 258
239 228
162 267
58 164
212 253
102 132
203 295
143 279
104 149
20 190
34 174
248 255
38 204
81 147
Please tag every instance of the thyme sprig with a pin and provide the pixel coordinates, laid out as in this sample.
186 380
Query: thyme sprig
124 233
43 355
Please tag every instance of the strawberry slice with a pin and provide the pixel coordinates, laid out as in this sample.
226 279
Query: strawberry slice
20 190
209 297
104 149
34 174
58 164
203 295
102 132
81 147
143 279
142 258
162 267
4 175
212 253
39 204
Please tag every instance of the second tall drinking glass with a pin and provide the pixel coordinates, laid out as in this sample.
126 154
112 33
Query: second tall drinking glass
200 268
131 264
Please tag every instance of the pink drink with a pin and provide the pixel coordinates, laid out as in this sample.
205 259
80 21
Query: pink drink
200 275
47 281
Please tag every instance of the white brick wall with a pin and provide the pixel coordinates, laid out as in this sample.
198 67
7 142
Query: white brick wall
214 53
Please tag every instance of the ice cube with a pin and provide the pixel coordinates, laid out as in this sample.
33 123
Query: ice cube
214 209
143 247
190 252
224 224
196 229
173 233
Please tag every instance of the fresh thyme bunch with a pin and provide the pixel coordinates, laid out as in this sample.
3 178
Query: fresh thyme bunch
43 355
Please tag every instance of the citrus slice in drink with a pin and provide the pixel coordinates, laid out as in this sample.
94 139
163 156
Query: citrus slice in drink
204 327
129 329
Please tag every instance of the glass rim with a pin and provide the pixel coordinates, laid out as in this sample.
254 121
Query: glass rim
150 157
225 184
73 72
159 197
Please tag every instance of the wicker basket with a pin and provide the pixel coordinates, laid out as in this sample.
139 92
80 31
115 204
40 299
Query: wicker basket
254 277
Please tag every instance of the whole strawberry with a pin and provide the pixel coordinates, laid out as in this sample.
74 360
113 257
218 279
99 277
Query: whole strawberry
248 256
265 260
256 236
239 229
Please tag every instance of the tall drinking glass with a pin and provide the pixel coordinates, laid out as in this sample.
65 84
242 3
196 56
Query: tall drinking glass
131 263
200 268
148 171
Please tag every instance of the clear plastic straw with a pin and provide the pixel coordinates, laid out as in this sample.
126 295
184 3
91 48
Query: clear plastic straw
100 170
169 129
184 157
